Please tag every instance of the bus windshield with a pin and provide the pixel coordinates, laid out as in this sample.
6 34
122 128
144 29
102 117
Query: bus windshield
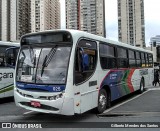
46 65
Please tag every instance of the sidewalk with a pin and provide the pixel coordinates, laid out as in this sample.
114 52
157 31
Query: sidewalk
147 103
151 87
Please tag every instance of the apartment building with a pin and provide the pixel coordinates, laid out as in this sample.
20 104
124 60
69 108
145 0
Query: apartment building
5 20
15 19
100 18
86 15
155 41
0 19
23 17
45 15
73 14
131 25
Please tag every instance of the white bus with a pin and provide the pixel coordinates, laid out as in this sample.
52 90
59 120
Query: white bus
70 72
8 55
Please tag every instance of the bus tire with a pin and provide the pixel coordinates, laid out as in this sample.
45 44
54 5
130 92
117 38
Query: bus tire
102 101
141 90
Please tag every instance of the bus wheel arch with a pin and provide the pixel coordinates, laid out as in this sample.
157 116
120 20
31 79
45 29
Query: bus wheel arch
104 99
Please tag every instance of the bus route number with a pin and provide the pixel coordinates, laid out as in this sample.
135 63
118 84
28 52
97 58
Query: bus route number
56 88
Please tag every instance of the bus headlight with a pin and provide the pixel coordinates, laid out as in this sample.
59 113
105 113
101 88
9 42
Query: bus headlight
55 97
42 97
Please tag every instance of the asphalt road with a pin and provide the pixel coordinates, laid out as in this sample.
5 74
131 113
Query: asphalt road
134 108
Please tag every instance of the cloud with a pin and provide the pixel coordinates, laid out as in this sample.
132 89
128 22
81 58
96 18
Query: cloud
111 31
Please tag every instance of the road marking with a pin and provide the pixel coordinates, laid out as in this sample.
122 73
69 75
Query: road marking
108 110
28 112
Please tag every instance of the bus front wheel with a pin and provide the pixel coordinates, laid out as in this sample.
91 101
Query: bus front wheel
102 101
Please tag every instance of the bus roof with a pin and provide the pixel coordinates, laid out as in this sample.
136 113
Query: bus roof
78 34
10 43
100 38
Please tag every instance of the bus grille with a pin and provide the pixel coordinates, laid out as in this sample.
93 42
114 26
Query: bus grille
30 96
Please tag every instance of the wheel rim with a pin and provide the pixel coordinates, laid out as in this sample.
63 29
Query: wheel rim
102 101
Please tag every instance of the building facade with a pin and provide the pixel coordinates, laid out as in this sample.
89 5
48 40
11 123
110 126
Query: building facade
73 14
5 20
86 15
23 17
155 46
131 25
45 15
155 41
0 19
15 19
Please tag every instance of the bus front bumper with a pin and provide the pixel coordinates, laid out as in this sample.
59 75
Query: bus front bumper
27 100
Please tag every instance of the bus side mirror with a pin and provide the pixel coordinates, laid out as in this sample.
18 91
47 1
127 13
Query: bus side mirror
85 60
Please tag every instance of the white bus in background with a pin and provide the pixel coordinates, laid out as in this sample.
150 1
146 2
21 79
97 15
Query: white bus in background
8 55
70 72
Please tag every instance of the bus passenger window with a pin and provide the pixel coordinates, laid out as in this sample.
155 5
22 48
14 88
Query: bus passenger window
122 58
147 60
132 60
143 64
2 56
85 61
107 56
1 61
150 58
11 56
138 59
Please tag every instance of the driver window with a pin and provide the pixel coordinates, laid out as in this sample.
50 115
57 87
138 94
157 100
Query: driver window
85 60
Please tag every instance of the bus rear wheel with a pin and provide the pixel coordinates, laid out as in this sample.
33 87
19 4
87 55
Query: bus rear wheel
102 101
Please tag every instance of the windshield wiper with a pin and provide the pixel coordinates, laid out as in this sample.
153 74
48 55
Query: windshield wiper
48 59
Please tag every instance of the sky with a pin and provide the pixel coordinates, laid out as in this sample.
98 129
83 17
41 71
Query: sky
152 19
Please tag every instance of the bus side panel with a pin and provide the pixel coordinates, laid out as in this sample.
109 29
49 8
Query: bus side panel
125 81
89 93
120 82
148 76
1 93
136 79
10 92
6 82
151 72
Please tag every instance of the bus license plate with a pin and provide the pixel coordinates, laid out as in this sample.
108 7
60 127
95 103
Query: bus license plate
35 104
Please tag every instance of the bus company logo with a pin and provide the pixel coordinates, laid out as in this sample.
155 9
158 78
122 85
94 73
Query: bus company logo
5 76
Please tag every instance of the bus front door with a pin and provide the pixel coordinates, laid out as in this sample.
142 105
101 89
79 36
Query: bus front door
86 77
